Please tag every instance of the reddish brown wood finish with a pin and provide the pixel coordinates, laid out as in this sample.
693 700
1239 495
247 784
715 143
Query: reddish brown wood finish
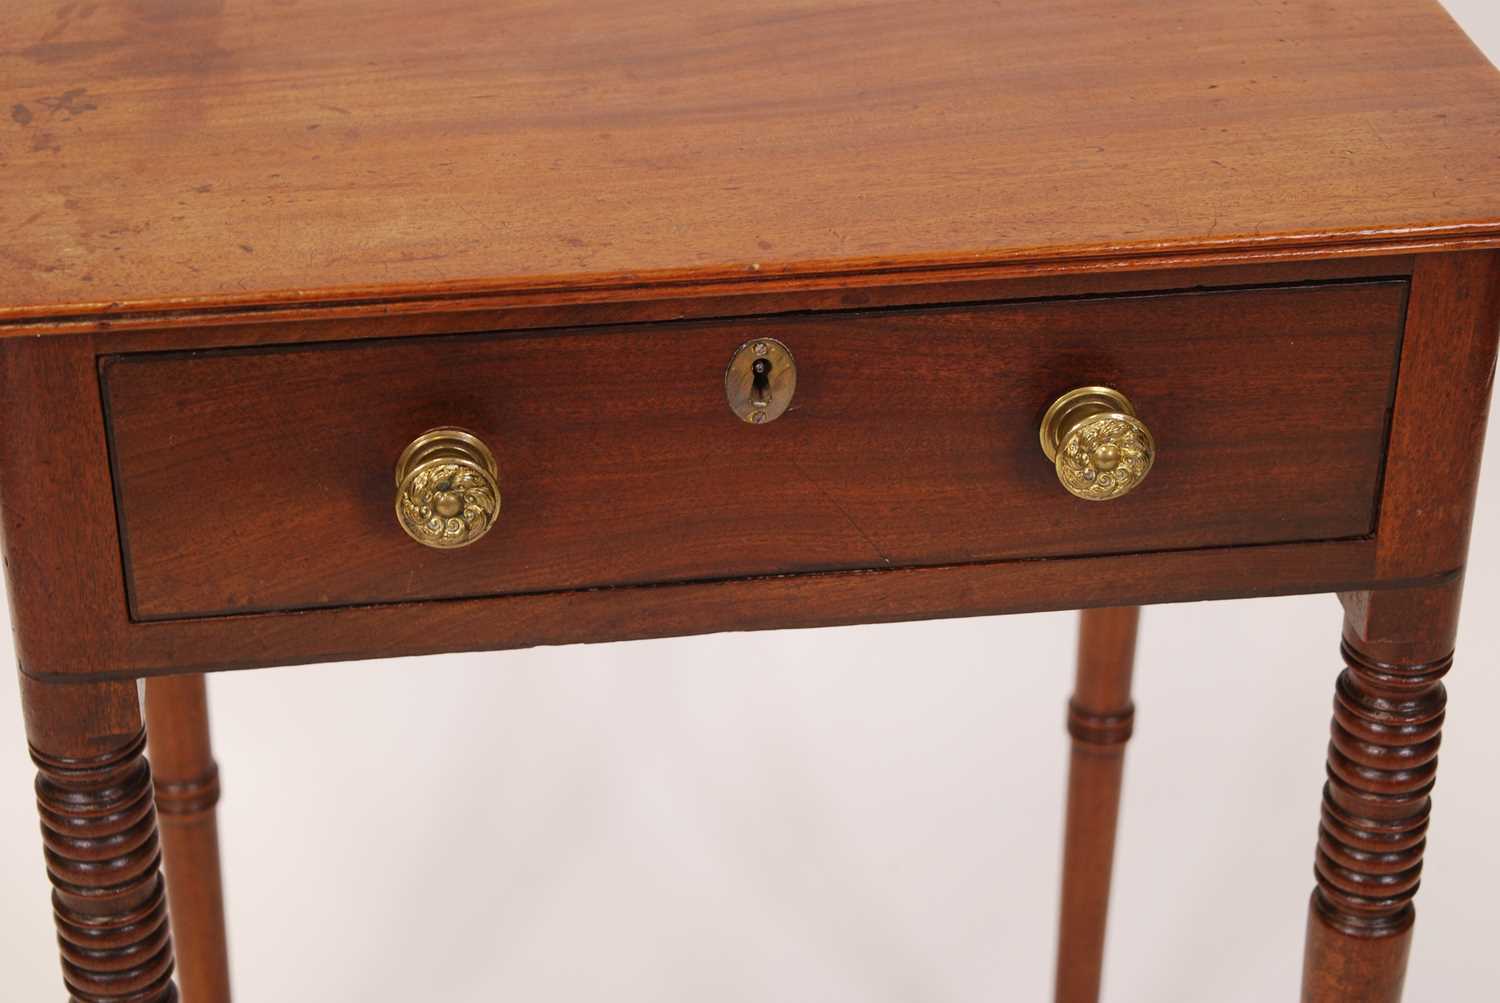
169 156
912 440
74 624
187 789
70 619
1443 401
353 320
198 176
1101 717
99 829
64 587
1382 763
818 600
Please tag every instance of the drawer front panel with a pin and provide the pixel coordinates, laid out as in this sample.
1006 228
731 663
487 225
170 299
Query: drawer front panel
262 479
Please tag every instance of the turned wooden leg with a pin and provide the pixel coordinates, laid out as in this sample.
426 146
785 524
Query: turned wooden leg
99 832
1387 722
1100 717
187 789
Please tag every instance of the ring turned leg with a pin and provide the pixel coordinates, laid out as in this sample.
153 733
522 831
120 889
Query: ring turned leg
187 789
1100 717
1382 760
99 833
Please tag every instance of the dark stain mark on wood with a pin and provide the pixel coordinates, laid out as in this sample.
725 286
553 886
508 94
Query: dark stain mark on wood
159 11
21 115
65 16
70 102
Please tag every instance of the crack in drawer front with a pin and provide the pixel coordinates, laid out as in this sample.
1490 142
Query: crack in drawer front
261 478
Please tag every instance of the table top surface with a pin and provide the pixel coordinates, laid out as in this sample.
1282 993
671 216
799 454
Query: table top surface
186 154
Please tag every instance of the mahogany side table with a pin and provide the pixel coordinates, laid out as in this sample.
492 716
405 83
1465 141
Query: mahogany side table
334 331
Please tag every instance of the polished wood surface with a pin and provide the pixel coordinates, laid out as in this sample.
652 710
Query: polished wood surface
252 250
54 639
71 619
355 319
1382 765
99 832
171 156
186 780
912 440
1442 408
1101 717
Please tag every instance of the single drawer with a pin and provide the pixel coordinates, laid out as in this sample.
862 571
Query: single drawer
262 479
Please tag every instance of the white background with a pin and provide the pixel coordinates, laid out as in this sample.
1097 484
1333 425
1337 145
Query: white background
863 814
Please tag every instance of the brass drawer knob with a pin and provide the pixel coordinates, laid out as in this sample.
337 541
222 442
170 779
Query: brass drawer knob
1100 448
447 488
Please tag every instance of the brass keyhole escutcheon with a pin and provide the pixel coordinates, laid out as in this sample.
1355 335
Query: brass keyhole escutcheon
1100 449
760 380
447 488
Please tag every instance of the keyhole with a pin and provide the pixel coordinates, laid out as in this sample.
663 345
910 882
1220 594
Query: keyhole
760 380
760 383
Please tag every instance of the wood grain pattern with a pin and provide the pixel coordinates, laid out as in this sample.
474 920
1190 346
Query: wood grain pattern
911 441
64 587
66 590
72 622
170 156
186 781
1101 717
222 212
1441 414
788 602
99 831
357 319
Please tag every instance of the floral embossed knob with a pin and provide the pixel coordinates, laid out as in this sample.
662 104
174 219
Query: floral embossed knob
1099 446
447 488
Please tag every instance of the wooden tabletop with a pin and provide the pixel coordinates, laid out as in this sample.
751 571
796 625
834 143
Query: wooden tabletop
187 154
